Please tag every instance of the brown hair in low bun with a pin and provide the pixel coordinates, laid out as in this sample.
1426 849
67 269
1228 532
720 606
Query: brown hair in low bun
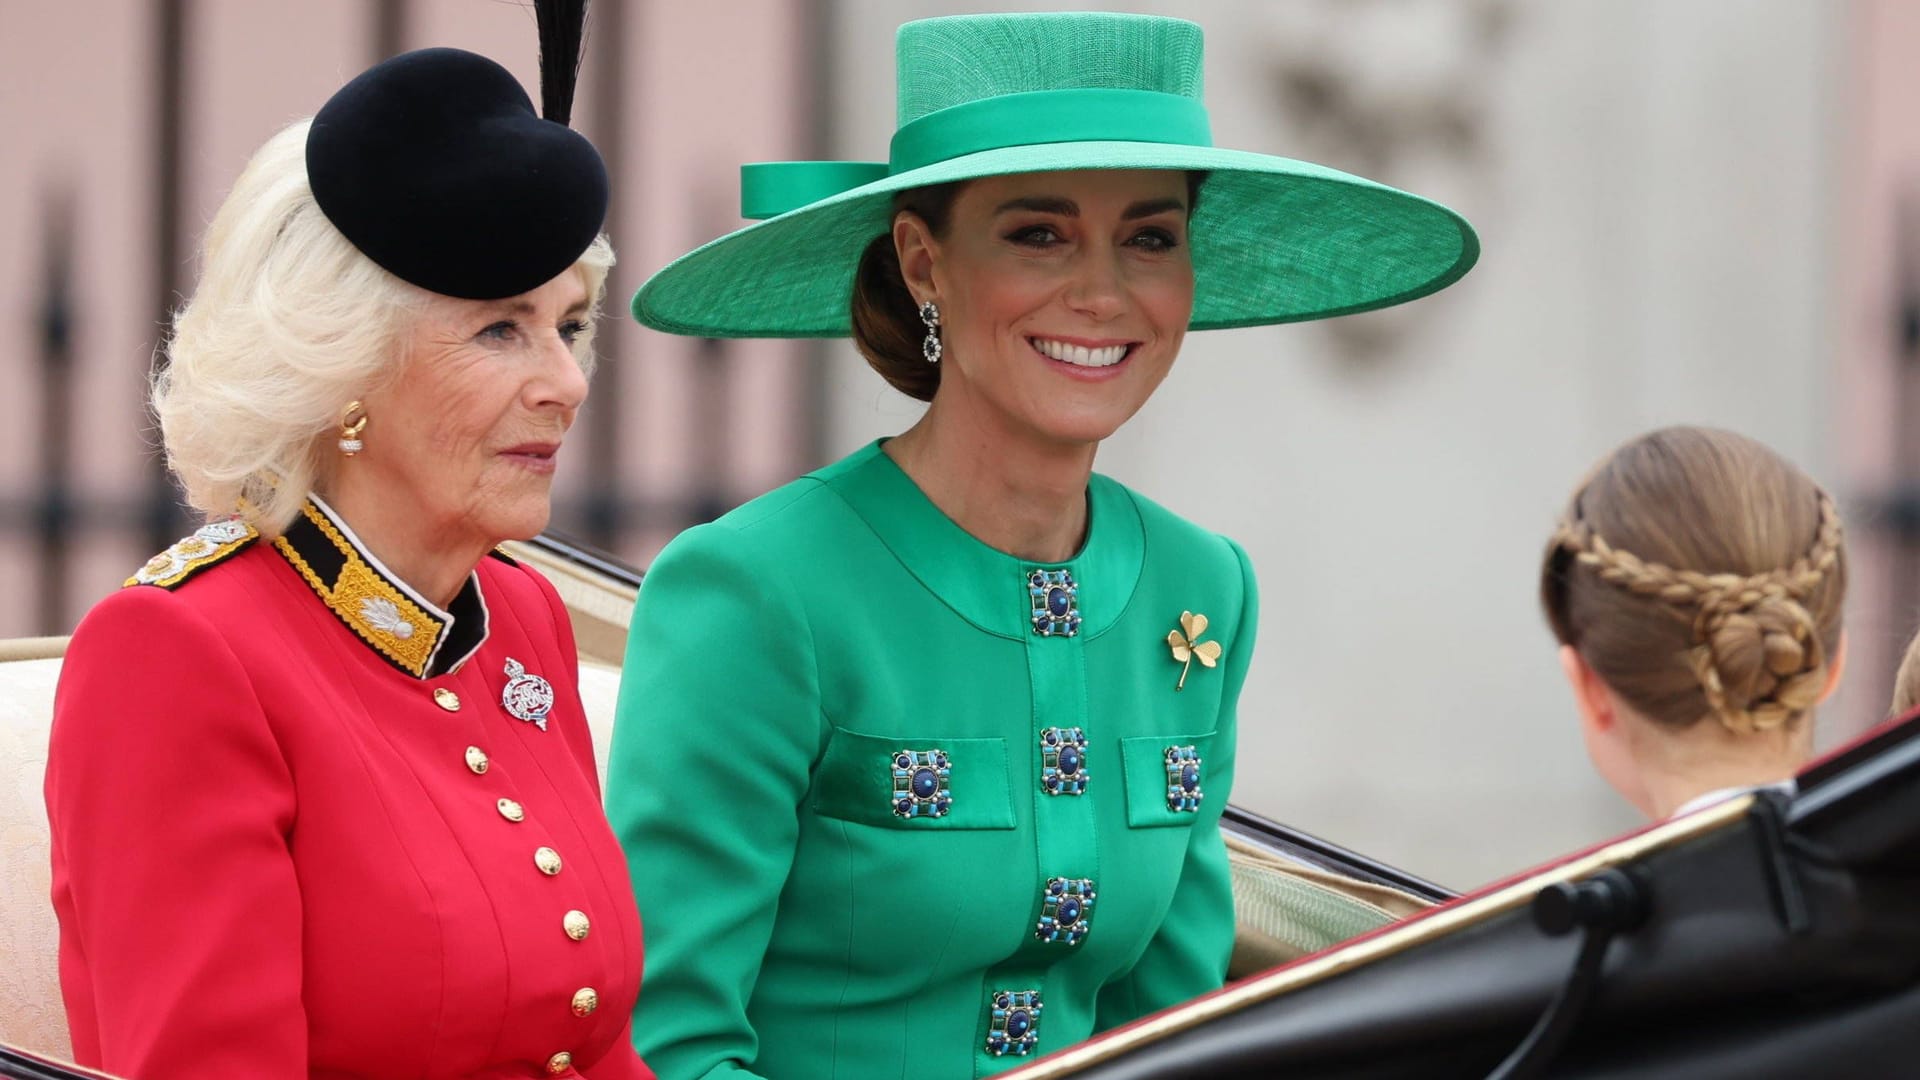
1700 574
886 321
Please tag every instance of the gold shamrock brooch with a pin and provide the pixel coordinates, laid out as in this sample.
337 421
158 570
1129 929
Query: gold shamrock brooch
1187 646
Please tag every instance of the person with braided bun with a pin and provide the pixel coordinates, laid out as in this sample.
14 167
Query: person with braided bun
1695 586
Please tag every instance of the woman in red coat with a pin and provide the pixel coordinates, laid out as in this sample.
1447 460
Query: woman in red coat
323 798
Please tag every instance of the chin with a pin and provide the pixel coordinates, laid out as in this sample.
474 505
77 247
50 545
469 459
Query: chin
1088 427
521 523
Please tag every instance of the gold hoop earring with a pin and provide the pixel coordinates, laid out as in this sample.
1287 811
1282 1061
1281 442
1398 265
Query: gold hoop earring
353 421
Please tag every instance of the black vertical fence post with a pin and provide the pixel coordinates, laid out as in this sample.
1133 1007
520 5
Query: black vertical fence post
713 428
163 515
1904 574
604 521
55 510
713 399
389 28
818 31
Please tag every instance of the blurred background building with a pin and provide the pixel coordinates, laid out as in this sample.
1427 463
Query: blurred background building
1701 212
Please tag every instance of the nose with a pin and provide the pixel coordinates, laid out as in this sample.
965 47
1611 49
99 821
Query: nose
561 382
1096 289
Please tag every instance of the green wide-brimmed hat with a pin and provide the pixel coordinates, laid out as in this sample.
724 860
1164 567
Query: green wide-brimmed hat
1273 240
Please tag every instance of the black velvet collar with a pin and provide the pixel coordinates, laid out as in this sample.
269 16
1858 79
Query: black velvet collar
386 613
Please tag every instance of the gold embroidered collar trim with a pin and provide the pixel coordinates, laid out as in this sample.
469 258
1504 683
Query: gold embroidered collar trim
396 622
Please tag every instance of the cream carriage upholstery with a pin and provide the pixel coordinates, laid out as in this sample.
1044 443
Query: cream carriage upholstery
31 1015
1285 910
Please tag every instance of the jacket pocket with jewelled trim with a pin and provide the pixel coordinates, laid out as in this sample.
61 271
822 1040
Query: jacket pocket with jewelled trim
1166 779
882 780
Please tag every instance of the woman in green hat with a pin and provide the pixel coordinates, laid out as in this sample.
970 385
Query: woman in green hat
920 759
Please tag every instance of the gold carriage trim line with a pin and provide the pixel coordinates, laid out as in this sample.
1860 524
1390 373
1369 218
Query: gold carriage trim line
393 620
1384 943
212 543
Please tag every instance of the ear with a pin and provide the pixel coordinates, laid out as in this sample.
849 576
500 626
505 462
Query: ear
1590 695
1834 669
914 243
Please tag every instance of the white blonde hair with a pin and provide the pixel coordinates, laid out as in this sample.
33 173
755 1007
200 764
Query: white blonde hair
290 323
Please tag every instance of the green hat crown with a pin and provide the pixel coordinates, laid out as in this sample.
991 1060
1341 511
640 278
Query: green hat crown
1272 239
969 83
941 63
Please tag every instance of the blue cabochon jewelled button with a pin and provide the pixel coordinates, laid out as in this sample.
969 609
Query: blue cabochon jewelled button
1056 602
1063 761
1183 779
920 779
1014 1026
1065 906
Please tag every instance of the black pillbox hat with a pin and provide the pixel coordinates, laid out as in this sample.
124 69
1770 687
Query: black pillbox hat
436 166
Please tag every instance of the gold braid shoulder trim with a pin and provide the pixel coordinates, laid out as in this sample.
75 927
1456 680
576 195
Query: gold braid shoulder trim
209 545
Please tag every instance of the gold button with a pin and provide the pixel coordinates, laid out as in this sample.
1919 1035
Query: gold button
477 760
446 699
511 810
560 1063
548 860
585 1000
576 925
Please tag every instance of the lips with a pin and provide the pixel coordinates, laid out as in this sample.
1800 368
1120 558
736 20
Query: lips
537 456
1099 355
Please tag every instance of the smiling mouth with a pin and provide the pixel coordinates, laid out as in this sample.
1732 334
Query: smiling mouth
1084 356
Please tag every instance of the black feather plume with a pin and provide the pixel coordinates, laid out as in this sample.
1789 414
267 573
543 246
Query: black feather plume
563 33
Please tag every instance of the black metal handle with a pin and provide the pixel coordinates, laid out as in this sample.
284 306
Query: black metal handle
1609 903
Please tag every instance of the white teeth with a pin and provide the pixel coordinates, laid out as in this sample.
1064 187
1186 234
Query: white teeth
1080 355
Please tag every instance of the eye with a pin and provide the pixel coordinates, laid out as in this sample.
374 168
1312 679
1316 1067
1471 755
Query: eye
1035 236
500 331
572 329
1155 239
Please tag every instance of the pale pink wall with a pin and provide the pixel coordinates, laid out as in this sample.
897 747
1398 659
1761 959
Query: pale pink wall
708 85
721 84
72 104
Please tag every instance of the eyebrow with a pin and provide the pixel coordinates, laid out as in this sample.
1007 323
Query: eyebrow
1054 204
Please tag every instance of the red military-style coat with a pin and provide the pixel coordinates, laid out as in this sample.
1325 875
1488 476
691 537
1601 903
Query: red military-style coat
305 824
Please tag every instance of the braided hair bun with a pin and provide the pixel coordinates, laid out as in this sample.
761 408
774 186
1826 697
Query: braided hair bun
1759 661
1701 574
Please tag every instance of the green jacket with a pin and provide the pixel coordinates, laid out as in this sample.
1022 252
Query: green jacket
817 905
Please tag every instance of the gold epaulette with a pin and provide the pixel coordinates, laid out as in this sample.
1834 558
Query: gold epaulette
212 543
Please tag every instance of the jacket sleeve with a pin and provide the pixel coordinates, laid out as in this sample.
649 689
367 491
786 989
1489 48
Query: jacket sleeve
1188 955
171 804
714 738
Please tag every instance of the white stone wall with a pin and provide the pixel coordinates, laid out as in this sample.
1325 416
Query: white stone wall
1651 182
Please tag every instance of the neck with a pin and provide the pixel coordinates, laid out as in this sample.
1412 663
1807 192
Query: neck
1714 759
1014 492
433 561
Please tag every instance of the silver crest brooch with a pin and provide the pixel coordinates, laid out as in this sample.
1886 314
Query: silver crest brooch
527 697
